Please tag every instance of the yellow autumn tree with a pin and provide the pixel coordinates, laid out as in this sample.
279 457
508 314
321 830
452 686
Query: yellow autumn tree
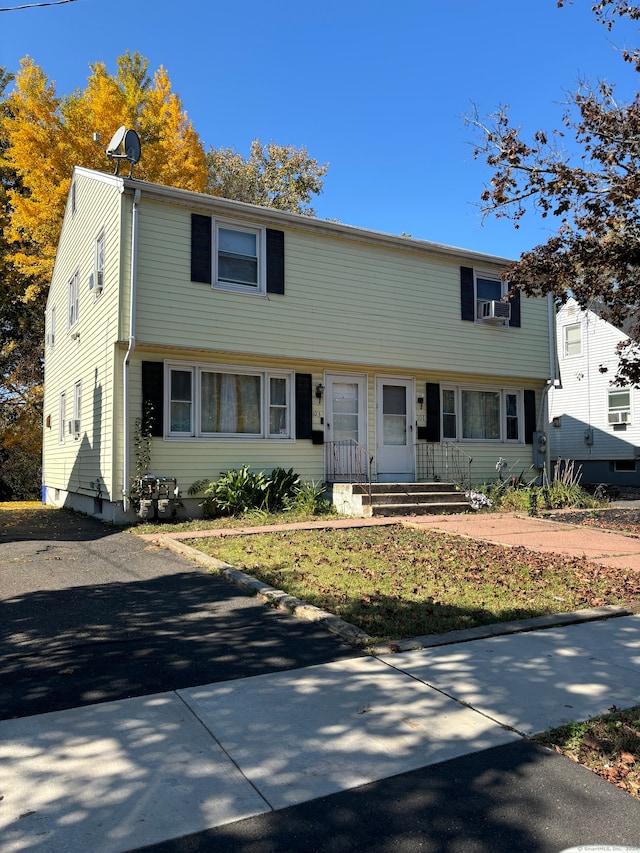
45 136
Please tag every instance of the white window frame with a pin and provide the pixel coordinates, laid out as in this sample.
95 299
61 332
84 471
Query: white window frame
62 417
73 194
51 328
196 433
566 343
99 253
76 423
618 415
237 287
73 300
458 391
488 275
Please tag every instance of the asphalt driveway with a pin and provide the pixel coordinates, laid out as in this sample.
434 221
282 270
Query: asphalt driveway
91 614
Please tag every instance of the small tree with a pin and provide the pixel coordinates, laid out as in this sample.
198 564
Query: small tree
594 195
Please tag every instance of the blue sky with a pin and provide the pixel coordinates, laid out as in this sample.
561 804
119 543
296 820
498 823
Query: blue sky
376 88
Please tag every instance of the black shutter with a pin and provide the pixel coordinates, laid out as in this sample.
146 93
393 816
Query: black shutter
153 392
433 411
529 416
515 308
275 261
467 295
201 248
303 406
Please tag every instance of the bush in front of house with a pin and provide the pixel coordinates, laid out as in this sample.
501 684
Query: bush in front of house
241 491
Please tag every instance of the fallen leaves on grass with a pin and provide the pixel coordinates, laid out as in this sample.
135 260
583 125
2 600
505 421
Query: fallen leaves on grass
608 745
395 582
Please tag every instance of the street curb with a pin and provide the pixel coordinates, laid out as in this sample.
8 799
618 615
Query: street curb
357 637
348 632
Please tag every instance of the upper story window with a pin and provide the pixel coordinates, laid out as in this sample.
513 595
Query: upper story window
73 198
99 264
482 300
238 259
489 290
619 407
73 300
77 410
51 328
572 340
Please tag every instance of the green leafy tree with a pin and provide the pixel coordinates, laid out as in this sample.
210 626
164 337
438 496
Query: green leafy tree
278 176
590 187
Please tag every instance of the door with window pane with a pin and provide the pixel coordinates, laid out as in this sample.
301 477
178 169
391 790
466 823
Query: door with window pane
395 454
346 427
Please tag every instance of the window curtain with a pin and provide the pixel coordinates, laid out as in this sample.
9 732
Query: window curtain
481 414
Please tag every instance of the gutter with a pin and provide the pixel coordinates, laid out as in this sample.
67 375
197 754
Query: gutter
132 345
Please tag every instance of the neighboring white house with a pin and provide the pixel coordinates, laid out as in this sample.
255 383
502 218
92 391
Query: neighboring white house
270 339
593 422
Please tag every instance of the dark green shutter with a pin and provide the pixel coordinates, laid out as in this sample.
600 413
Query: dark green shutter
433 411
467 294
153 392
514 301
529 416
201 248
303 405
275 261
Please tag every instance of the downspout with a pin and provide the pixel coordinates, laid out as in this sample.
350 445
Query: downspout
552 381
132 345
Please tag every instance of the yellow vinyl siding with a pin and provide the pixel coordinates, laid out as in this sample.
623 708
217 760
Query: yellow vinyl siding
86 353
361 304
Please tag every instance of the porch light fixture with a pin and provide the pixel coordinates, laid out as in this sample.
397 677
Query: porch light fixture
319 390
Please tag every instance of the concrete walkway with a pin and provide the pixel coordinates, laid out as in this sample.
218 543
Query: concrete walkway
121 775
424 749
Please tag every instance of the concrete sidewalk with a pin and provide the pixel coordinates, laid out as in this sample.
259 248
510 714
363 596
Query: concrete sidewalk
121 775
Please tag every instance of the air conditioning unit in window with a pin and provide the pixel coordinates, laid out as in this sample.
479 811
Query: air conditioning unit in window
74 427
96 282
619 417
494 310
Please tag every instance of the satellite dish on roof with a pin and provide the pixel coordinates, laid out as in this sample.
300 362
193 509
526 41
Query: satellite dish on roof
132 149
116 141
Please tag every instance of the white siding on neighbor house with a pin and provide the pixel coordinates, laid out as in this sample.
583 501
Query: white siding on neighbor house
346 302
85 353
581 403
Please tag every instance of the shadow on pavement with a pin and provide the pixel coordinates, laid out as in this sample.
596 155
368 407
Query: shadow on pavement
519 797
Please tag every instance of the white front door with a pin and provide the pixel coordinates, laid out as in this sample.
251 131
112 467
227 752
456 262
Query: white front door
346 426
395 454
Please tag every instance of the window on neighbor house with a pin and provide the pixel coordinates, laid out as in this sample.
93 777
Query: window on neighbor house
472 414
73 300
208 403
73 198
77 410
619 407
628 466
489 290
572 339
238 258
62 416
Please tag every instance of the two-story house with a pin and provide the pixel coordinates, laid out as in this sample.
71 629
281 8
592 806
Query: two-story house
594 423
268 339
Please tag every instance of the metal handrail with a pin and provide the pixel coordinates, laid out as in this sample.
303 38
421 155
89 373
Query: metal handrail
348 461
443 461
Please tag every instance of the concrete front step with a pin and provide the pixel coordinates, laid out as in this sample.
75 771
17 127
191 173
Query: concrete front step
381 499
415 497
442 508
403 488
